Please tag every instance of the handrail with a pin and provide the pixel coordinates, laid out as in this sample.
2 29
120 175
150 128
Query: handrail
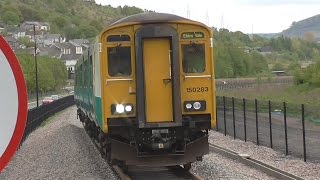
118 79
197 76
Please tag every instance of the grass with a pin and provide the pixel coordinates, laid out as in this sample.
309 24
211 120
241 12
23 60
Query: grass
291 94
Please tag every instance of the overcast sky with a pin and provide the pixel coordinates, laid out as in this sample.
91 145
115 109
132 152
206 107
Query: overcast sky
257 16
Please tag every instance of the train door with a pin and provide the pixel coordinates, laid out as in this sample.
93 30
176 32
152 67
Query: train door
157 76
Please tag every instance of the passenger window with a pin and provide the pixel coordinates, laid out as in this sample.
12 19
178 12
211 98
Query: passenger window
193 58
119 61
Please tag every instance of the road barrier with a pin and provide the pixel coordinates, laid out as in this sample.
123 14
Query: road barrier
37 115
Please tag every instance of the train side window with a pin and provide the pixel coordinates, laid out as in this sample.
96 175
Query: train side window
80 76
119 61
193 58
91 71
115 38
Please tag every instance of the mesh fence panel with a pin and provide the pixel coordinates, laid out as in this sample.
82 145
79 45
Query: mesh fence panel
263 123
294 126
251 121
312 127
271 125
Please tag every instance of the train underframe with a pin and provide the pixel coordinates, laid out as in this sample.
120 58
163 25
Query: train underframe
127 144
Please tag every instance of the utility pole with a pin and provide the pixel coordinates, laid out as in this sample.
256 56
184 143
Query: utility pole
188 12
207 18
36 64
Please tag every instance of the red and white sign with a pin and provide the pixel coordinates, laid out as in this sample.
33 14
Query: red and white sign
13 103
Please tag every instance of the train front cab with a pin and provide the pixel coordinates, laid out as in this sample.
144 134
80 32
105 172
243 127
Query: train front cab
159 108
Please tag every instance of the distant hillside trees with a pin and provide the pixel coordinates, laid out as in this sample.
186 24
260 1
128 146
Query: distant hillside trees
233 59
309 76
72 18
52 73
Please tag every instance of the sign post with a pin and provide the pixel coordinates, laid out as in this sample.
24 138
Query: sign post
13 104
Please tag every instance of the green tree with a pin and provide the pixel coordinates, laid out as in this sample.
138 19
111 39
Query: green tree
25 41
10 18
87 31
52 73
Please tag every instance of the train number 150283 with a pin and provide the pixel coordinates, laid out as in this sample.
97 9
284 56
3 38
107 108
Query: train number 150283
197 89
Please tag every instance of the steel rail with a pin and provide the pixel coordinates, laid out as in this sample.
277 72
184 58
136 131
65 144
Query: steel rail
247 160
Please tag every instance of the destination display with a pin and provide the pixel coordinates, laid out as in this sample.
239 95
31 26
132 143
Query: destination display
192 35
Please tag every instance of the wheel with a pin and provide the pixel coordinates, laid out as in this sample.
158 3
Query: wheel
187 166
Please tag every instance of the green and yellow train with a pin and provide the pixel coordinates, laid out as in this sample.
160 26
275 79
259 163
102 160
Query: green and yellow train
145 90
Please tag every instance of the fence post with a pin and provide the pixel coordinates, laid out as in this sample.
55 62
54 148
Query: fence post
244 120
285 126
224 115
303 134
270 125
257 125
234 120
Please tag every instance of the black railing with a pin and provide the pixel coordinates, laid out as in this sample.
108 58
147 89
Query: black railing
37 115
293 129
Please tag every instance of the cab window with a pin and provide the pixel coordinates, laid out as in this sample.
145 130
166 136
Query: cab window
119 61
193 58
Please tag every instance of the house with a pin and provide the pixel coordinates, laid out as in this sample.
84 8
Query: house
26 51
39 26
38 35
28 25
18 33
265 50
1 28
50 51
14 43
71 53
50 39
83 43
45 26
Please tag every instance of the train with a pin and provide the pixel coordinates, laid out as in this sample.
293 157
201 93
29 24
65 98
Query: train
145 90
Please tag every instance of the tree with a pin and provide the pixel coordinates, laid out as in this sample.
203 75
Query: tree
52 73
10 18
278 67
25 41
87 31
60 22
309 36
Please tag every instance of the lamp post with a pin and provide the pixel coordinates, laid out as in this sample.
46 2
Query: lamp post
36 64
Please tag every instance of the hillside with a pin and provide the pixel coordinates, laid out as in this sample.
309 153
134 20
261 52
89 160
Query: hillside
72 18
304 27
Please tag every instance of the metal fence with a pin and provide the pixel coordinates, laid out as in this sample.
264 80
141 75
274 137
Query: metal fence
293 129
37 115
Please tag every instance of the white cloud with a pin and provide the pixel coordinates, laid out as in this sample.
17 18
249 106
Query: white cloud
259 16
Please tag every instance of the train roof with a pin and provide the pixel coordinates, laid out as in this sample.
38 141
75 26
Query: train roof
151 17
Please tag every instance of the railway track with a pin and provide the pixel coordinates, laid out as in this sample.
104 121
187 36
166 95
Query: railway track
155 173
146 173
247 160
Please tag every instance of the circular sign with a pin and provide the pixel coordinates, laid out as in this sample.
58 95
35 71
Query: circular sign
13 103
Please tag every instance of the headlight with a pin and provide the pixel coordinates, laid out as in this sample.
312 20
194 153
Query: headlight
188 106
196 105
121 108
128 108
191 106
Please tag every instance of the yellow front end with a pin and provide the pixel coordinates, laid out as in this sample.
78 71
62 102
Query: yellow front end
196 83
